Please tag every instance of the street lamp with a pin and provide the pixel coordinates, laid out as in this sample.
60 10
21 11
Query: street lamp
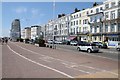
54 46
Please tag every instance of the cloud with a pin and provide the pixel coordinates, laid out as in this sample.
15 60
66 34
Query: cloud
20 10
36 13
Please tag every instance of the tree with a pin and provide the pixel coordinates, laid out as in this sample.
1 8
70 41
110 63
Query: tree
40 41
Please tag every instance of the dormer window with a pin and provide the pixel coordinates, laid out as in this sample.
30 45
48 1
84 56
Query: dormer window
106 6
112 4
91 11
101 8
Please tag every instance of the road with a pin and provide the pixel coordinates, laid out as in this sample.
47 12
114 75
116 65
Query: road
110 53
21 60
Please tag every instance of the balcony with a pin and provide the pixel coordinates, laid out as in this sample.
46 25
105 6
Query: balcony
83 33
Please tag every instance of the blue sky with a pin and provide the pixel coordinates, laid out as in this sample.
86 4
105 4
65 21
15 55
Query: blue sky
32 13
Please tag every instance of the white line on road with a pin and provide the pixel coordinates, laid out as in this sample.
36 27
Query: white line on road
41 64
70 62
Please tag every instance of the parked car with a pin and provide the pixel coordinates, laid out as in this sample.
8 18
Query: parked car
118 47
31 41
73 43
50 41
89 47
100 44
81 43
58 42
64 42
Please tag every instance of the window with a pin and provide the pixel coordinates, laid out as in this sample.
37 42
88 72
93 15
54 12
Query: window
112 4
74 22
95 29
112 27
71 23
60 31
85 21
118 12
101 8
71 30
106 6
74 31
100 38
118 26
74 16
101 29
71 17
79 29
95 19
106 15
77 22
80 22
80 15
112 14
91 29
91 11
77 15
97 10
119 3
95 38
106 27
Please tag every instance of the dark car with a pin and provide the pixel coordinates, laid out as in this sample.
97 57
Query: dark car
81 42
100 45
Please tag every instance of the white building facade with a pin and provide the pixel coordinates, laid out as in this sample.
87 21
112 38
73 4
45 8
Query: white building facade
27 33
96 23
23 34
100 23
35 32
111 21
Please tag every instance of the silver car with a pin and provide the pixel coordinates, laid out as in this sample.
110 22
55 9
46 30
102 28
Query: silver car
88 47
73 43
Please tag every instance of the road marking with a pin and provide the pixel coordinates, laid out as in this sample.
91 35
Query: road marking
68 61
72 67
41 64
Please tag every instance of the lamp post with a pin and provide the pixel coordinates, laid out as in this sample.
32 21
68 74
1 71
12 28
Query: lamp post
54 46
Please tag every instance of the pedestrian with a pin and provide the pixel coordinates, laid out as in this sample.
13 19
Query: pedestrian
6 40
2 41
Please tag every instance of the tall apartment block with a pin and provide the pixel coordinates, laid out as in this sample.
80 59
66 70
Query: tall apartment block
15 32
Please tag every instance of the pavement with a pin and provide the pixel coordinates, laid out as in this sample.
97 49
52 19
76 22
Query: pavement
21 60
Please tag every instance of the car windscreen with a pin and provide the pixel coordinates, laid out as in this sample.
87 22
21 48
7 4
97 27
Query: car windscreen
93 44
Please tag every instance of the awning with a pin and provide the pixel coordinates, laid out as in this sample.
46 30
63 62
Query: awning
71 37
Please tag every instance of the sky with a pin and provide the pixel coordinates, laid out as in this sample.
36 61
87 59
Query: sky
35 13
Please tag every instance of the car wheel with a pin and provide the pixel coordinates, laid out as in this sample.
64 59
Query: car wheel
89 50
78 49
